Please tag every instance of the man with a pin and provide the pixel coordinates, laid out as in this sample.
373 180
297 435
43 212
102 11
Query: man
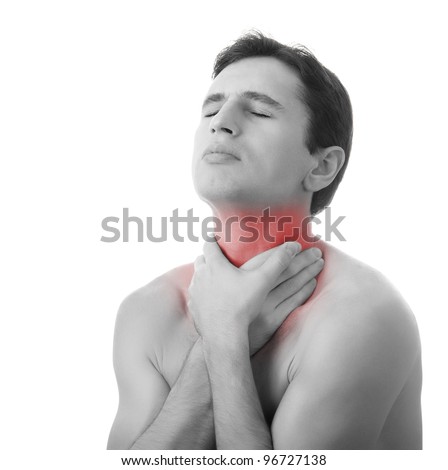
258 346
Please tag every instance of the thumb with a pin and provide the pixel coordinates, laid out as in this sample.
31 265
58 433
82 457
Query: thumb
279 259
212 252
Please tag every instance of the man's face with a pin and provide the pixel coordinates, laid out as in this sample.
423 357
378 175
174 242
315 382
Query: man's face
249 147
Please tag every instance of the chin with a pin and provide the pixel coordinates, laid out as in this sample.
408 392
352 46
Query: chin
221 196
220 192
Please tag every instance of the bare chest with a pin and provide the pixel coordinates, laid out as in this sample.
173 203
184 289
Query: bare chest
271 366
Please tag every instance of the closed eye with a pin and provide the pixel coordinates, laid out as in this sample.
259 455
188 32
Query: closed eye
260 114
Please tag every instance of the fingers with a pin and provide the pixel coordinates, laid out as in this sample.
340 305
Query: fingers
281 312
299 262
279 260
296 300
256 261
294 284
259 259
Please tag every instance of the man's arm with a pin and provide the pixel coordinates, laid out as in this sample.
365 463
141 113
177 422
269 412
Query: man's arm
358 359
224 302
186 418
150 415
239 419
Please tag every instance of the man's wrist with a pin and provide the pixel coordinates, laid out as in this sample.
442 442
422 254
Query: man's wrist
231 340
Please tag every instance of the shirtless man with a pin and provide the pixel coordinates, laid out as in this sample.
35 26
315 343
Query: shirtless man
257 345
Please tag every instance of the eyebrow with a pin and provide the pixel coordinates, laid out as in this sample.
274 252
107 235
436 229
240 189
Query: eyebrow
249 95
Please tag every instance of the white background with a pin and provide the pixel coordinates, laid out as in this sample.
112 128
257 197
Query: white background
98 106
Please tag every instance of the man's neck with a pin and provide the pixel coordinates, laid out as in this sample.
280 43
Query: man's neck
246 233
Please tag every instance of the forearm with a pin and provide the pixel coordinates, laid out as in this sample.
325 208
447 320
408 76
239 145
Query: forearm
238 415
186 418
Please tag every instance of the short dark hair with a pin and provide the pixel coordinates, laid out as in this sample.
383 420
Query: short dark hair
327 101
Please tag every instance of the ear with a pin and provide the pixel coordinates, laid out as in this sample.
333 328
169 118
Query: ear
327 163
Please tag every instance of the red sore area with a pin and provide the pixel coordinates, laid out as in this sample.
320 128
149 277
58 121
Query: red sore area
245 233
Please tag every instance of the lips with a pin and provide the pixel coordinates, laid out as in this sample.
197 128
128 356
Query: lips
221 149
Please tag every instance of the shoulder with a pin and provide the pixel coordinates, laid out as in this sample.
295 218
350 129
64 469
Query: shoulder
357 350
155 306
359 287
362 317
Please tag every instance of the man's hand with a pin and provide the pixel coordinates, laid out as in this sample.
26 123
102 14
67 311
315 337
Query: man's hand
292 289
225 301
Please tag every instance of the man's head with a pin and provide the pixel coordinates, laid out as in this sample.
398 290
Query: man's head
285 116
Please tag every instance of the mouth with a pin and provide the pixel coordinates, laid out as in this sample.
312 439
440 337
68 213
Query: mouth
220 158
220 152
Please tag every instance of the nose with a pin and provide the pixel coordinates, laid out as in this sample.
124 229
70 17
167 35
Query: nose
225 120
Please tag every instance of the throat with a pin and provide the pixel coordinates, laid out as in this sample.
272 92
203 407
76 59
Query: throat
243 234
